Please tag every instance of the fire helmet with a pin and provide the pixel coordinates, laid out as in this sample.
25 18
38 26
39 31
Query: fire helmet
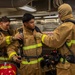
8 69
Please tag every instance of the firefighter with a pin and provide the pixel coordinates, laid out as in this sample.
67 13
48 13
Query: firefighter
6 38
32 48
63 39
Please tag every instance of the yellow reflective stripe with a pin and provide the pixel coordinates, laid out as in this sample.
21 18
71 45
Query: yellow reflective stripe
6 67
43 38
8 40
32 62
3 58
32 46
11 54
71 42
61 60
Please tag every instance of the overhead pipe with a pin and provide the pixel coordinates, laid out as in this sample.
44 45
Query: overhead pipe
49 5
13 3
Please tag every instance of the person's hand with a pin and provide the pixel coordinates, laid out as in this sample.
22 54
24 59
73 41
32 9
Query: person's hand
38 35
18 36
16 58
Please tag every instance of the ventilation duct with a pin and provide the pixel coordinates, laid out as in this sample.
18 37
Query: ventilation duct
13 3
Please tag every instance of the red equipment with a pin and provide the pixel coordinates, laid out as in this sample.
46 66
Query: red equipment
8 69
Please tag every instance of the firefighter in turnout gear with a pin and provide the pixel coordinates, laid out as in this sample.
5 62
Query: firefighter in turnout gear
7 37
31 49
63 39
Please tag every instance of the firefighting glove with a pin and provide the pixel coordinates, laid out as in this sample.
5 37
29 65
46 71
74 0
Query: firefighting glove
38 35
17 58
17 36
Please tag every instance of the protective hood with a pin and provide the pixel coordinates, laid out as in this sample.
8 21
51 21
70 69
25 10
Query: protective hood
65 11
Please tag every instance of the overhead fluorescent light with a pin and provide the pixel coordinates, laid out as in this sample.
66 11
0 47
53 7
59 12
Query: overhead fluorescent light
56 16
28 8
12 19
37 17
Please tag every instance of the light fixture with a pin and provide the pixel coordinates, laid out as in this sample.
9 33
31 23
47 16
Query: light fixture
56 16
28 8
37 17
12 19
